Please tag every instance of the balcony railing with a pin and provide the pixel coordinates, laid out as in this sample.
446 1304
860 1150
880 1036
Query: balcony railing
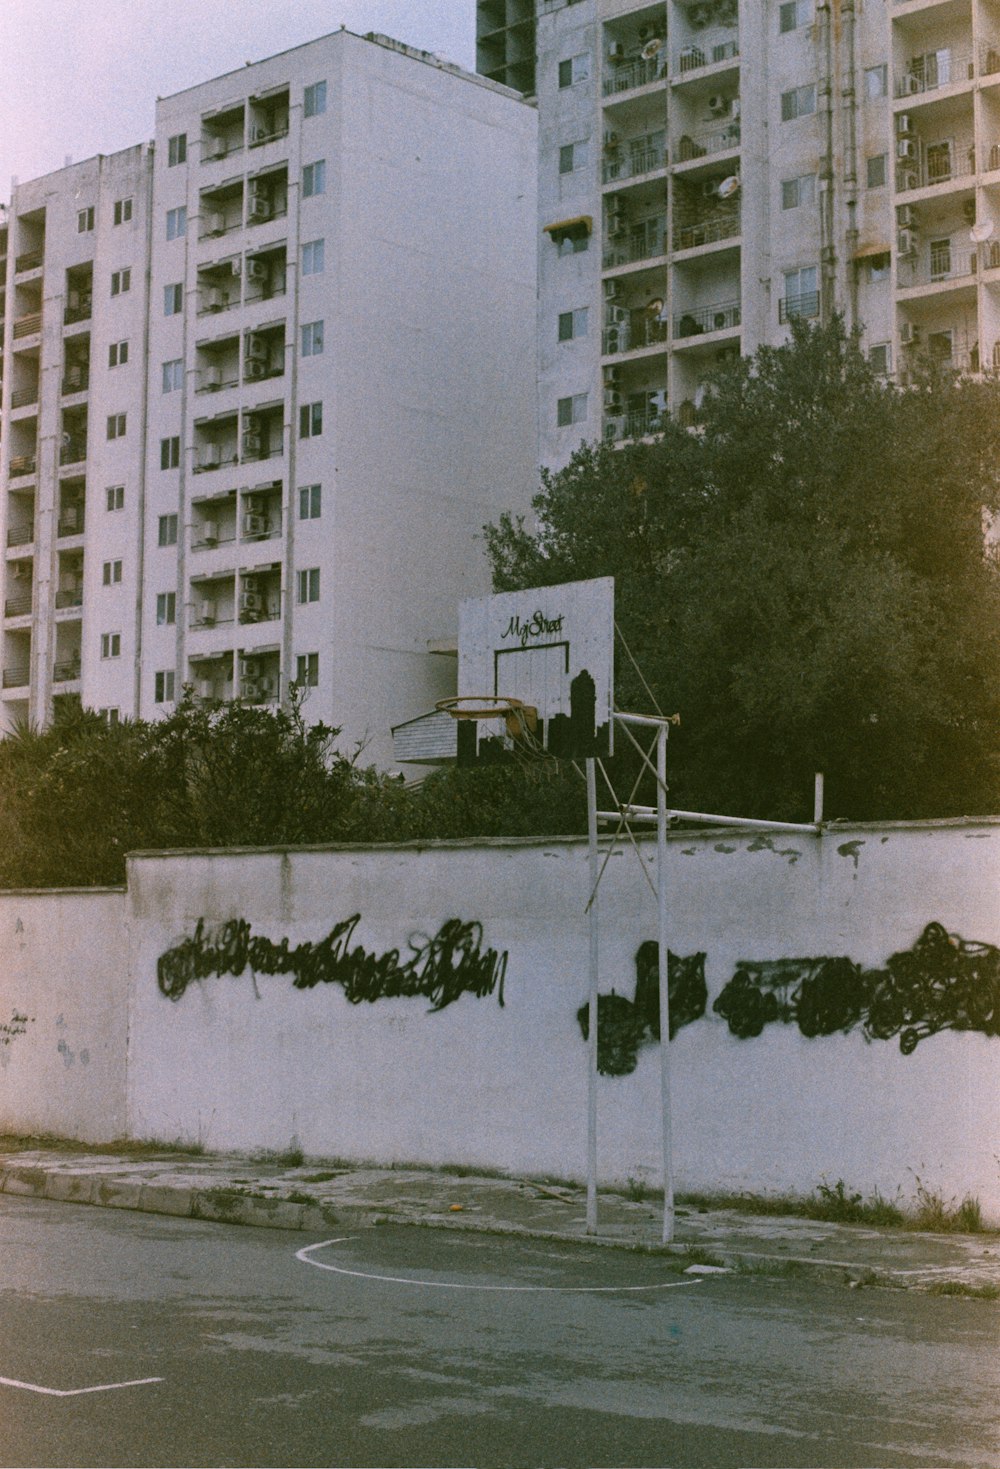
26 326
24 396
937 167
631 160
707 231
936 69
30 260
17 677
70 597
803 303
220 150
18 605
73 451
22 464
259 137
989 61
81 312
70 522
66 670
698 320
218 461
943 263
77 380
634 425
215 384
643 241
21 534
712 47
639 331
263 613
717 140
625 75
255 456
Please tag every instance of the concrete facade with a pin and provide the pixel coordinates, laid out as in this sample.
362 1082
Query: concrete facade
252 1061
329 337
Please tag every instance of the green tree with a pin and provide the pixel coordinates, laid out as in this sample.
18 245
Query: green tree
803 578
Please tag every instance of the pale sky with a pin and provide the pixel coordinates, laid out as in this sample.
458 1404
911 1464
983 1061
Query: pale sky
79 77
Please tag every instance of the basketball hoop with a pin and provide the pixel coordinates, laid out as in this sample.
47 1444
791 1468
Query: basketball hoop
520 719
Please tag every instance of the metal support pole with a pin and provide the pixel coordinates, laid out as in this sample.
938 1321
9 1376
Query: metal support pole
818 798
664 977
592 1011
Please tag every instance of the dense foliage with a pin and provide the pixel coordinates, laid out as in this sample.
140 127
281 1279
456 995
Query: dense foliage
804 579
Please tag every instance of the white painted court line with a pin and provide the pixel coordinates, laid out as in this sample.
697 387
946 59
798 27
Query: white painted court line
75 1392
305 1256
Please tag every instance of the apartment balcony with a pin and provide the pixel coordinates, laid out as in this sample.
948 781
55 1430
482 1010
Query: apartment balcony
712 48
803 304
700 321
638 331
70 522
943 267
633 159
72 451
21 533
79 308
18 605
213 457
69 597
76 380
258 607
709 231
28 326
17 677
634 425
22 465
636 243
66 670
31 260
690 146
935 71
24 397
627 75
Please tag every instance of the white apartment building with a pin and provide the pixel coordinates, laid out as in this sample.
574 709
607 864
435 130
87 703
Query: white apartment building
264 381
710 170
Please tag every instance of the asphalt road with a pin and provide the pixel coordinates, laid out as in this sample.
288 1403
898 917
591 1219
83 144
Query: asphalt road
425 1347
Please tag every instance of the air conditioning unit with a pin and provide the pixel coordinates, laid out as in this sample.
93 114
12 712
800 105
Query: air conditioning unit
213 147
612 376
251 445
611 139
617 316
911 85
209 531
257 270
718 105
253 369
904 124
909 334
259 133
205 688
906 242
612 290
250 668
255 347
211 456
251 602
613 341
212 377
251 584
254 505
254 525
206 611
250 690
215 299
906 217
616 52
612 402
216 224
268 686
907 150
258 208
236 266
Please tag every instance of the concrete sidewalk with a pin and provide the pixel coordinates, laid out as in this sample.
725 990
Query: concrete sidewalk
318 1198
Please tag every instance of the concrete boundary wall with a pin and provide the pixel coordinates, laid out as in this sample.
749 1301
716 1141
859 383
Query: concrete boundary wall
250 1061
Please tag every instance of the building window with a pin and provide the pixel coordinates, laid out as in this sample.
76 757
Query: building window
164 687
312 339
118 354
111 717
876 171
122 211
793 14
111 573
310 500
574 69
797 192
876 81
116 425
314 99
312 257
167 535
111 644
308 585
307 670
173 299
166 609
177 149
115 497
121 281
573 156
177 222
879 267
801 295
170 452
314 179
85 220
572 324
571 410
310 420
880 358
940 259
799 102
173 375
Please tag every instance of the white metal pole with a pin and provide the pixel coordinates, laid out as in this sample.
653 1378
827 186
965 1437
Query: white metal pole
664 977
818 798
592 1009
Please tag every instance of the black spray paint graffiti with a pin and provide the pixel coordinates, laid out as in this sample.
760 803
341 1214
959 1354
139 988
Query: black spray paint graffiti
942 983
15 1026
624 1025
441 967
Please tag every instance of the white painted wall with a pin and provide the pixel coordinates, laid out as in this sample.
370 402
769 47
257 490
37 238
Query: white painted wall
239 1064
63 969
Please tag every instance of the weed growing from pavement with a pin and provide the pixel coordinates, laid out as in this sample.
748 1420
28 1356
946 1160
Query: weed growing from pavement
837 1204
988 1292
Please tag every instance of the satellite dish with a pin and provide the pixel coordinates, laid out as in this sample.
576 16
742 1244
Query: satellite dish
979 233
655 307
729 186
649 51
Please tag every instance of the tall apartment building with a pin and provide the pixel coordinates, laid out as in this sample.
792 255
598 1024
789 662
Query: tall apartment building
264 381
711 169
